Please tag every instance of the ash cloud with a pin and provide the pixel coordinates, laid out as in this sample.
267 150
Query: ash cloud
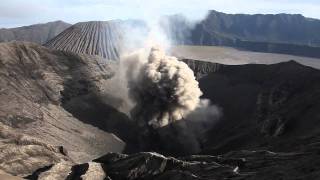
164 90
163 94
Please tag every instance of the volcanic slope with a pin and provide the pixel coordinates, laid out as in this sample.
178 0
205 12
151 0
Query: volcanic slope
38 33
273 107
93 38
35 129
265 107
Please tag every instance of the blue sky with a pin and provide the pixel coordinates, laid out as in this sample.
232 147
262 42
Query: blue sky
25 12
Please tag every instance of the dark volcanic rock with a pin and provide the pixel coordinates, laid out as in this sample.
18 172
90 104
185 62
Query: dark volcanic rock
269 106
201 68
38 33
156 166
234 165
93 38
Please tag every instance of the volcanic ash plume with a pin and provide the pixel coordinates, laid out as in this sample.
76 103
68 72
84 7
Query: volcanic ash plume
164 91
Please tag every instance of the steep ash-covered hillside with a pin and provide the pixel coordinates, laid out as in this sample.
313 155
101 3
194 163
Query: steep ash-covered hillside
35 130
101 38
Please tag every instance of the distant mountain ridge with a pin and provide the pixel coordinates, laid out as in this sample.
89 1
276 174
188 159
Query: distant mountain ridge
273 33
38 33
273 28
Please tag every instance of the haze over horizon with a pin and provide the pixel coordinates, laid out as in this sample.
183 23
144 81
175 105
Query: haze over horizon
15 13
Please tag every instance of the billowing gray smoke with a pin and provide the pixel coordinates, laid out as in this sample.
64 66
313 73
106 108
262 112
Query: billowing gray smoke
165 90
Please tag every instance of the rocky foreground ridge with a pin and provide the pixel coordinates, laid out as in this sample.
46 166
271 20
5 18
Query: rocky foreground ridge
234 165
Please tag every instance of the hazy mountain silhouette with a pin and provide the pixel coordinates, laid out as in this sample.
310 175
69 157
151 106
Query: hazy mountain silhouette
272 28
38 33
275 33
